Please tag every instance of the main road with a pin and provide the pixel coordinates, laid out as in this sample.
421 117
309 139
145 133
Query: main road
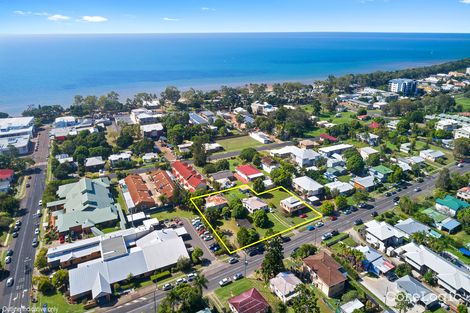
216 272
18 296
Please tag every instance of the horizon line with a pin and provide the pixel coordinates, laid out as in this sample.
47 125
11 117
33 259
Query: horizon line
234 32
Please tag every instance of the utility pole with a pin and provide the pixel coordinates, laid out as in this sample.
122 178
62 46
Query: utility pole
246 263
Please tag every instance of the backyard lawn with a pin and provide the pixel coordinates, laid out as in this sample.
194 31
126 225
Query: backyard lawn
58 303
465 102
169 214
238 143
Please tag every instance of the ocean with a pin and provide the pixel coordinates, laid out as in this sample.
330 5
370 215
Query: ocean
51 69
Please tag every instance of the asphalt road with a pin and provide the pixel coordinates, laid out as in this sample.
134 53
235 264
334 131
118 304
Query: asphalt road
18 295
214 273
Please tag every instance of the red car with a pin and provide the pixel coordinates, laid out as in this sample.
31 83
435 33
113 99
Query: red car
61 239
303 215
334 218
200 232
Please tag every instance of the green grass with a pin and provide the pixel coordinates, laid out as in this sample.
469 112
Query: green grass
109 229
169 214
58 303
120 199
242 285
238 143
465 102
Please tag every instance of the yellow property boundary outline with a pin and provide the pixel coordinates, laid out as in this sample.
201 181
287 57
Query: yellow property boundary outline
319 215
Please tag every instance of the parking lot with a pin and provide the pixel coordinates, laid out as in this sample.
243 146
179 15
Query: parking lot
197 241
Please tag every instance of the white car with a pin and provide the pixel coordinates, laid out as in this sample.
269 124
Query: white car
319 224
167 287
36 231
180 281
191 276
8 260
40 202
224 282
207 238
10 282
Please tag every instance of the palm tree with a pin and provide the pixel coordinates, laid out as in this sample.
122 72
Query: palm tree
201 282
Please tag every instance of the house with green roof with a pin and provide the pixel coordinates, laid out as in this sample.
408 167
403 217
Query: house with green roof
380 172
450 205
83 205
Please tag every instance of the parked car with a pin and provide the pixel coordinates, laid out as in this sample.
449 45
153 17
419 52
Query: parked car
36 231
319 224
460 165
358 222
391 276
9 252
285 239
388 194
167 287
233 260
374 214
417 189
191 276
224 282
28 185
208 238
8 260
15 234
347 212
326 236
16 228
334 232
18 223
353 208
333 218
303 215
10 282
419 179
237 276
310 227
35 243
40 202
180 281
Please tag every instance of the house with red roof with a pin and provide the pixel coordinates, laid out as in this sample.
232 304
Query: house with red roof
140 193
188 177
250 301
247 173
6 176
330 138
374 125
364 117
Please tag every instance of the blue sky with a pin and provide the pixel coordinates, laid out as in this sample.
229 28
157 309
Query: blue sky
189 16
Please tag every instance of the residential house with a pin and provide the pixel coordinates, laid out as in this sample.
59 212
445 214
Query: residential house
449 225
417 292
381 235
358 104
283 285
307 186
339 149
328 138
115 159
292 205
405 147
188 177
247 173
64 158
94 164
22 144
436 216
150 157
343 188
463 132
253 204
366 183
373 261
431 155
196 119
447 125
268 164
17 127
374 125
83 205
325 273
450 205
454 279
216 201
213 147
351 306
307 144
143 116
410 226
464 193
369 138
208 116
262 108
152 131
260 137
250 301
393 124
224 178
139 192
164 184
6 176
380 172
302 157
366 152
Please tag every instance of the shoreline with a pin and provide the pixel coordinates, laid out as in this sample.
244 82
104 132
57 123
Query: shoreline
65 97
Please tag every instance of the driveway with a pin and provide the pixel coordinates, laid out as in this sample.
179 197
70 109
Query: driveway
196 241
386 291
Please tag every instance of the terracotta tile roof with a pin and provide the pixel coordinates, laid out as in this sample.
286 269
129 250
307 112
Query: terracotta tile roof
196 180
163 183
328 137
248 170
250 301
6 174
326 268
183 169
268 161
187 174
374 125
139 191
215 200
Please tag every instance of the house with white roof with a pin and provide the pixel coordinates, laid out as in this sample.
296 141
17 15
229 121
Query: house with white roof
410 226
120 157
307 186
283 285
431 155
153 131
291 204
328 151
260 137
303 157
17 126
342 187
253 204
382 235
447 125
351 306
463 132
366 152
456 280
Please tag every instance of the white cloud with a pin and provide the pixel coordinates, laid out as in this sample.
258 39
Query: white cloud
58 17
207 9
94 19
169 19
19 12
465 1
